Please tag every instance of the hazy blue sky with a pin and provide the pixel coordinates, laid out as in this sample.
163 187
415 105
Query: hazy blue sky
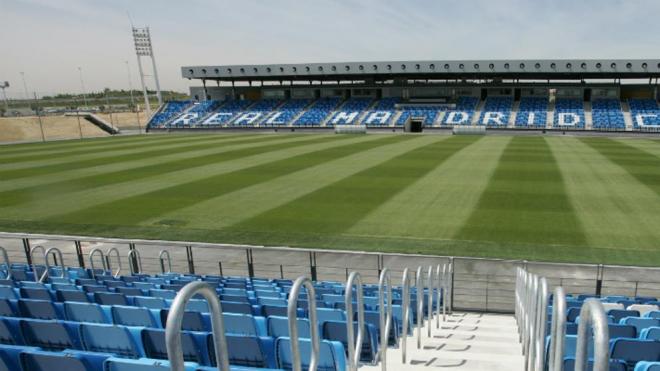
49 39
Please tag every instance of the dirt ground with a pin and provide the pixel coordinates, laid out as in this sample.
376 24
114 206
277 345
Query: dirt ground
26 129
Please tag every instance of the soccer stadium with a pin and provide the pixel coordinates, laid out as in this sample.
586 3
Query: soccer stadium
401 214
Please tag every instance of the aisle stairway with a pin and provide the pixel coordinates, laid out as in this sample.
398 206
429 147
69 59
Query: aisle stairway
465 341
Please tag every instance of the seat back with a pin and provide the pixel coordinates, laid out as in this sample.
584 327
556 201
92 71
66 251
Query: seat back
634 350
149 302
240 324
643 308
35 293
619 314
243 351
40 309
7 292
273 310
279 326
328 359
129 291
192 321
641 323
622 331
647 366
6 309
48 361
71 295
110 298
84 312
650 333
153 341
327 314
132 316
236 307
48 335
7 336
108 339
196 305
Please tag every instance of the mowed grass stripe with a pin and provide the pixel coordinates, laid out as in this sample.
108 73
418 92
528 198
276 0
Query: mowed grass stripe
644 166
439 203
614 209
103 158
337 207
234 207
243 156
34 156
131 172
226 145
185 194
525 201
646 145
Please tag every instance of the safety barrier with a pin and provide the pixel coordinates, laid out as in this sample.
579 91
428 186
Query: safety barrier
5 258
354 346
37 278
107 261
104 263
175 321
56 253
134 260
385 314
593 317
162 262
292 314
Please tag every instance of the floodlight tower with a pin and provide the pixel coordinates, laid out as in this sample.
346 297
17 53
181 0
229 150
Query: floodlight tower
3 86
143 48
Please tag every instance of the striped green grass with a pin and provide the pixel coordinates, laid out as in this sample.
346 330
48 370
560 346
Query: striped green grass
543 198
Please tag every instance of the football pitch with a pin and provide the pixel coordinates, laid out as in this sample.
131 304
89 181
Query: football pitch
565 199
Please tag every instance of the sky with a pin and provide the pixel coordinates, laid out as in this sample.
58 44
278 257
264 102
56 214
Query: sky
48 40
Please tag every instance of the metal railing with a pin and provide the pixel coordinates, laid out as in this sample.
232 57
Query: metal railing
107 261
593 320
292 314
531 310
37 278
385 314
419 287
56 253
429 303
134 260
162 261
354 347
104 263
405 292
175 321
5 258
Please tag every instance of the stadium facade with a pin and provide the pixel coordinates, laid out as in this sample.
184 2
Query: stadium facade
606 95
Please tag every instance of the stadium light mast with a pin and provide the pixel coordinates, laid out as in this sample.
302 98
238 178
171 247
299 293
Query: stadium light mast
82 84
27 95
143 48
130 83
3 86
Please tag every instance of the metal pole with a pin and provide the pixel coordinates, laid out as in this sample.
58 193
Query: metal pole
25 89
292 313
130 84
56 252
175 320
419 286
5 257
405 292
4 94
82 85
385 314
557 330
147 106
41 124
541 319
153 63
429 308
593 317
107 104
78 117
34 265
354 346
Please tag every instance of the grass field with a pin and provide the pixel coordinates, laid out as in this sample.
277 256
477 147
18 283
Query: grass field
564 199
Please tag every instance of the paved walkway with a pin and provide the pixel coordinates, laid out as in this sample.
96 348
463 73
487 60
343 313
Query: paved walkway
465 341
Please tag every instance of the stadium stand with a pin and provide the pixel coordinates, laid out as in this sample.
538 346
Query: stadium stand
496 112
170 110
225 113
428 112
607 114
350 112
645 113
532 112
286 112
463 112
255 112
318 112
383 113
623 338
569 114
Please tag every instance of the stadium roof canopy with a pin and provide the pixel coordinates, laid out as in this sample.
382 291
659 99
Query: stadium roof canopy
539 69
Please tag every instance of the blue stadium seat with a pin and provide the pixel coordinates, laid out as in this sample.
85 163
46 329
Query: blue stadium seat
332 356
9 337
132 316
129 291
40 309
108 339
47 361
650 333
273 310
84 312
236 307
10 356
279 326
532 112
619 314
110 298
149 302
336 331
318 112
192 321
622 331
569 114
50 335
6 309
634 350
240 324
496 111
647 366
7 292
244 351
640 323
615 365
153 341
196 305
35 293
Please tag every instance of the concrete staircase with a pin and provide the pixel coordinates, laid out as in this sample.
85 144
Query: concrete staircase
477 112
464 342
302 112
588 116
97 121
627 116
363 114
394 119
551 115
332 113
514 114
